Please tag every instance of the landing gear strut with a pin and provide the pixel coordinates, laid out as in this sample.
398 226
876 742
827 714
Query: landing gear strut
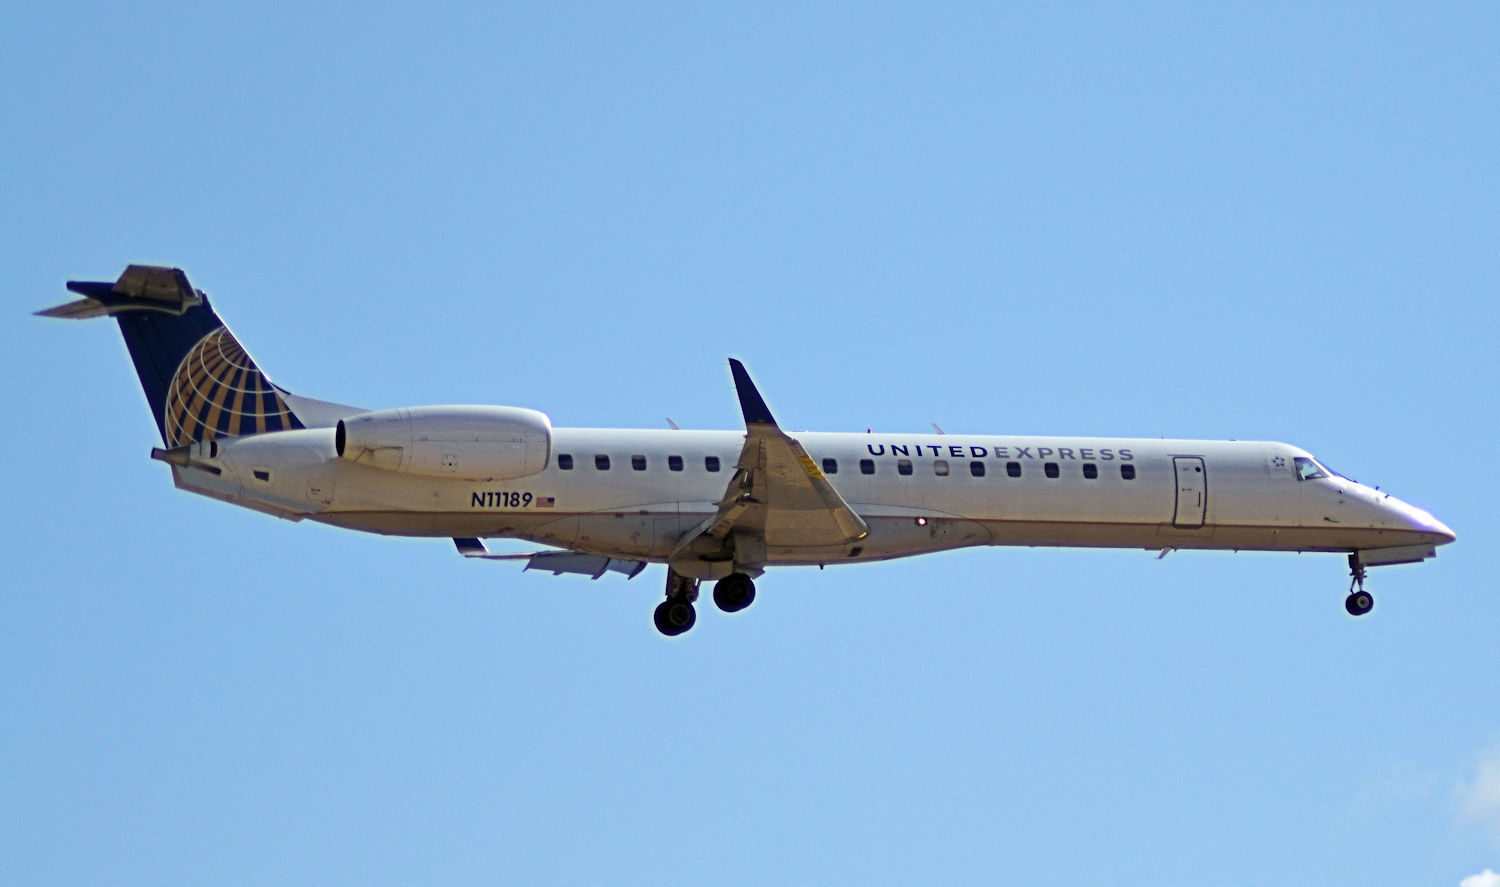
1359 602
676 614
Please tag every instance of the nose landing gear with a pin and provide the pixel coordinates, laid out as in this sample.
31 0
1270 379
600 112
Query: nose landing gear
1359 602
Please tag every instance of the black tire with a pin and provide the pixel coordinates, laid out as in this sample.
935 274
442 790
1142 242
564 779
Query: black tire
674 617
734 592
1359 603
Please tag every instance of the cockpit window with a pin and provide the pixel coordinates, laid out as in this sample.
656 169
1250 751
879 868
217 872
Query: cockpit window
1307 469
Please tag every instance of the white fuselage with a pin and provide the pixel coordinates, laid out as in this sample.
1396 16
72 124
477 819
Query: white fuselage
721 505
917 493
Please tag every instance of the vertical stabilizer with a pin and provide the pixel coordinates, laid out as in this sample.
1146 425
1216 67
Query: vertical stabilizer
200 382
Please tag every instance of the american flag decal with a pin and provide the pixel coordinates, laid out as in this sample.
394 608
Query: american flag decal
545 501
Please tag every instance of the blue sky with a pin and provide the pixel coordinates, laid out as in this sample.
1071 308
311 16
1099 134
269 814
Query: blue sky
1246 221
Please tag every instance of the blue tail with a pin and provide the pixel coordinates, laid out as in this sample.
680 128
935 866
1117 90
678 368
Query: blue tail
199 380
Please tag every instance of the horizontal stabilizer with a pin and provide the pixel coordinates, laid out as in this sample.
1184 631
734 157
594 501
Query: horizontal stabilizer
82 309
556 562
140 288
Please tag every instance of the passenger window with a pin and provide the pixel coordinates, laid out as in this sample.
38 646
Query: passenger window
940 468
867 466
601 463
1307 469
976 468
674 463
1090 471
1051 469
1127 472
1013 469
565 461
903 466
830 466
711 463
638 462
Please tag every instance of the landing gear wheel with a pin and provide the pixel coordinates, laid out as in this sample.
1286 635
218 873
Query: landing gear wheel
734 592
1359 603
673 617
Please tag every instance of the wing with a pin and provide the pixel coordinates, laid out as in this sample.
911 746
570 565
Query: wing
778 496
555 562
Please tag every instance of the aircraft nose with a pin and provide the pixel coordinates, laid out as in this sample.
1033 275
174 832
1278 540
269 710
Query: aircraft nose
1444 534
1433 530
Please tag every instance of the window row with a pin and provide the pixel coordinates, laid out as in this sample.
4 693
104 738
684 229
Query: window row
637 462
940 467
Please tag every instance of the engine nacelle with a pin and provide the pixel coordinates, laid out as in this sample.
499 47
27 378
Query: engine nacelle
470 442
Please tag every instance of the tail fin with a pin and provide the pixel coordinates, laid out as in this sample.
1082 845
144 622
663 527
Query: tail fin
200 382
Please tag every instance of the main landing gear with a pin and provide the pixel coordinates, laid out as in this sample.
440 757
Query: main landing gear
676 614
734 592
673 617
1359 602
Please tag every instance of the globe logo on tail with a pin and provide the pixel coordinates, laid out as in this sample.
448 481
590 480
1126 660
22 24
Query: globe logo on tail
218 391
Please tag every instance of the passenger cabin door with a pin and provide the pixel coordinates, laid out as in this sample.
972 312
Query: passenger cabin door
1192 492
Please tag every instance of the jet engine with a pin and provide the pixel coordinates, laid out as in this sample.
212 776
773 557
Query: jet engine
470 442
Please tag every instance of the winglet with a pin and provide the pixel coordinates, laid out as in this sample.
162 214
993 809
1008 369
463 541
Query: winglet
751 403
470 547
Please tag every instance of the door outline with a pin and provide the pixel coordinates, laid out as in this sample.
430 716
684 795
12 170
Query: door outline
1192 492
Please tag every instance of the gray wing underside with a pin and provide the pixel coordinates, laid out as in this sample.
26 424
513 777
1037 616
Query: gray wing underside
556 562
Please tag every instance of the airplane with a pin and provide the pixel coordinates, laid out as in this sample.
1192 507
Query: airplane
712 505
